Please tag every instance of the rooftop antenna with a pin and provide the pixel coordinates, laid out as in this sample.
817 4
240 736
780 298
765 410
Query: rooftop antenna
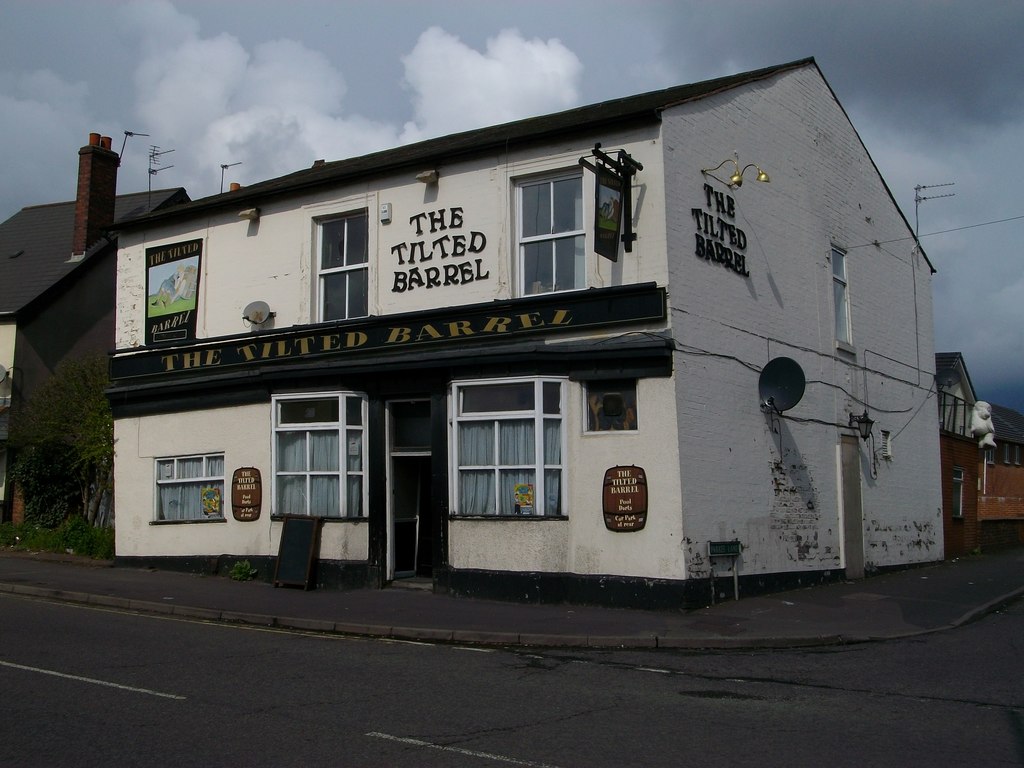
126 135
918 199
224 167
154 159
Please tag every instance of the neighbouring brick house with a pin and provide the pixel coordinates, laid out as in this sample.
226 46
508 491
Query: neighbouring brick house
960 455
57 266
982 486
585 356
1001 492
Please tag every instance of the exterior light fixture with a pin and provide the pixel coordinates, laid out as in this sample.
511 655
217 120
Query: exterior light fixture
736 178
427 177
249 214
863 424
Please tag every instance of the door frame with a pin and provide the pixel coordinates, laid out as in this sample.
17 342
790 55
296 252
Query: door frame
391 453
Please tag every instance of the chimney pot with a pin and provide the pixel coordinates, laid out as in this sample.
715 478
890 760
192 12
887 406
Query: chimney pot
94 139
105 142
235 186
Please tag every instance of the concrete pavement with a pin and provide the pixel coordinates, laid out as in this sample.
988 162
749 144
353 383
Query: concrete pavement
892 605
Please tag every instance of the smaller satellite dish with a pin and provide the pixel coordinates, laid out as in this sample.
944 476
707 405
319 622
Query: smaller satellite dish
781 384
257 312
3 373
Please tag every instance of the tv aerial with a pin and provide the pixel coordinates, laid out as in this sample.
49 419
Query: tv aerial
918 199
780 385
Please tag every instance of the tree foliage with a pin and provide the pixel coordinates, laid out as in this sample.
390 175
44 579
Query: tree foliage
66 432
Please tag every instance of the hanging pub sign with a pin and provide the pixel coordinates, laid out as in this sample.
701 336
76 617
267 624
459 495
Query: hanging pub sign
613 204
246 494
172 288
607 214
625 499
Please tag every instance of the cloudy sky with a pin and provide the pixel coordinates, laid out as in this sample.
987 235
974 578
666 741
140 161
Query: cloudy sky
935 88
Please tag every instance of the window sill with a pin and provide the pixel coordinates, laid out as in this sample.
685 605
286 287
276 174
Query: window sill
202 521
508 517
280 518
846 348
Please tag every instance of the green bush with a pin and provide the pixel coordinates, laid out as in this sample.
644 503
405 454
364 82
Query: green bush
242 571
74 536
47 479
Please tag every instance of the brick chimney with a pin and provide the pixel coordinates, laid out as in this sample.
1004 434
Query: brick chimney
97 188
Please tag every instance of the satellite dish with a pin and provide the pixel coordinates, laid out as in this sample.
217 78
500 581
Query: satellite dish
781 384
257 312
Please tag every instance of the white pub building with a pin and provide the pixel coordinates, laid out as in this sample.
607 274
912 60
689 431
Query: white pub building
605 355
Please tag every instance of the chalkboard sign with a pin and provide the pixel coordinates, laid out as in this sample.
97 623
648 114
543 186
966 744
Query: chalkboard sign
299 540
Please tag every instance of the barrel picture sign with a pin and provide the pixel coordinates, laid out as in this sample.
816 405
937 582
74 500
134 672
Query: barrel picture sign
625 499
246 494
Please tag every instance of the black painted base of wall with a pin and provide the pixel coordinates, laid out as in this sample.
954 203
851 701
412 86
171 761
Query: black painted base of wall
542 588
621 591
327 574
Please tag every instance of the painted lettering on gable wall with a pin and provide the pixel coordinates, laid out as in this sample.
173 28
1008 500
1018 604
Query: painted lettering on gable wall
440 253
718 239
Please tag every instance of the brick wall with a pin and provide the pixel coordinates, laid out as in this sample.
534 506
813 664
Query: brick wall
961 534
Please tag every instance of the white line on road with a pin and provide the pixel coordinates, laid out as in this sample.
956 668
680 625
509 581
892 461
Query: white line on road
469 752
93 681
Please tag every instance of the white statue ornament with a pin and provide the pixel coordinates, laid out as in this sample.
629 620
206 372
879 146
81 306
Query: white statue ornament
981 425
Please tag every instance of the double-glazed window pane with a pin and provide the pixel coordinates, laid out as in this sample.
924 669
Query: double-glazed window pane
344 273
840 296
190 488
509 448
552 241
318 457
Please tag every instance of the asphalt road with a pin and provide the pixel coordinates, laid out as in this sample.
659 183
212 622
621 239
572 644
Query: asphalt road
87 687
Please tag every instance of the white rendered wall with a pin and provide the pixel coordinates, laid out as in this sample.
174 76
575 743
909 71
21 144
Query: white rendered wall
273 259
243 434
582 544
773 483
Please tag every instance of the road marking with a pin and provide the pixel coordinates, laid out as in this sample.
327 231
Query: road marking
457 750
91 680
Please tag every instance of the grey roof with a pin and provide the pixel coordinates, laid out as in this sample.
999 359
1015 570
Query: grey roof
645 107
947 360
35 244
1009 424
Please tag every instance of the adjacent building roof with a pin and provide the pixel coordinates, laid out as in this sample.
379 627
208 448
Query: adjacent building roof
1008 423
35 244
953 363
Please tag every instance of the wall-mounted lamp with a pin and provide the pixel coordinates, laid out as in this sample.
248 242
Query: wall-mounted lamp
249 214
736 179
427 177
862 424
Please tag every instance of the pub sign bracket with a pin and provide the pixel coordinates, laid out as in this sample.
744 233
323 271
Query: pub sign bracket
613 204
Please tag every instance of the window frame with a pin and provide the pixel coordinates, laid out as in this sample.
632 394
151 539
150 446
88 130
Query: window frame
957 480
347 268
843 325
539 467
342 427
207 479
629 422
577 234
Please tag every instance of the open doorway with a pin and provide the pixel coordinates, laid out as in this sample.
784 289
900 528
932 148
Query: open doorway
410 523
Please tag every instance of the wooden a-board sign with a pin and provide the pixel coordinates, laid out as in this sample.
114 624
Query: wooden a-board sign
300 536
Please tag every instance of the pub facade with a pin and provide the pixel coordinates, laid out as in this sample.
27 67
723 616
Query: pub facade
579 357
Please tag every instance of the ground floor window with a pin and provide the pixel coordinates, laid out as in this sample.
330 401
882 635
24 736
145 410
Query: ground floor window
509 446
190 487
319 450
957 497
611 405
